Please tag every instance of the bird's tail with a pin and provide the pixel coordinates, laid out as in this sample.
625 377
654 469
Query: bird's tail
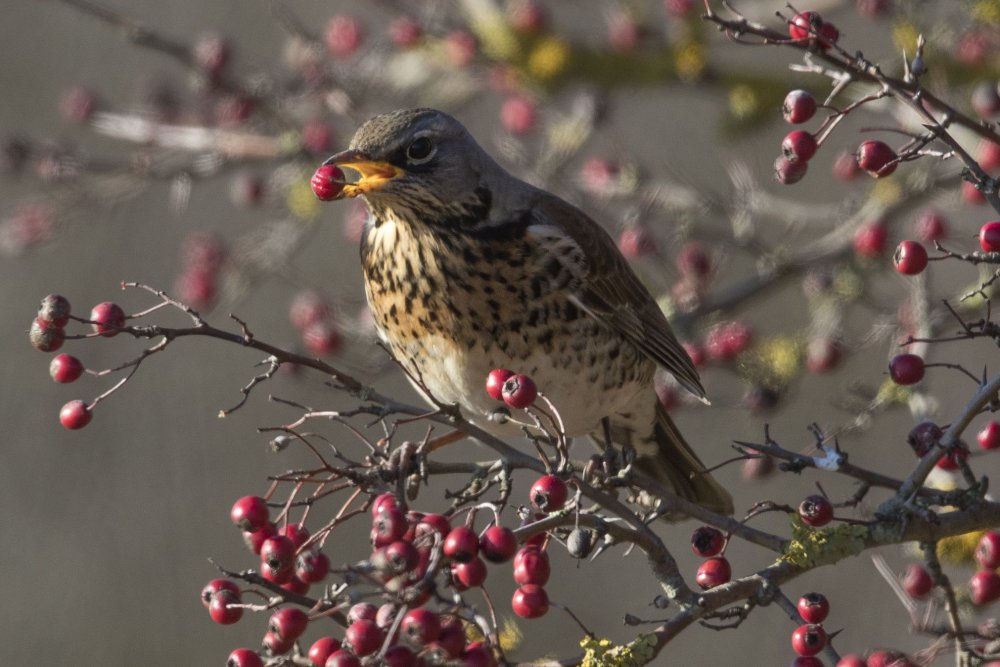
669 459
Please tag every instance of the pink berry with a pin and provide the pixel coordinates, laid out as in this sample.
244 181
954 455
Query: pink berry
806 661
65 368
799 106
988 550
876 157
636 241
988 155
808 639
530 601
322 649
707 541
223 607
498 544
713 572
930 226
250 513
799 146
886 658
531 566
519 391
917 581
342 36
322 338
972 195
244 657
328 182
816 511
75 415
989 236
462 544
55 309
382 502
288 622
989 436
845 166
78 104
984 587
813 607
478 654
364 636
420 627
906 369
870 240
460 47
397 558
518 114
788 171
822 355
405 32
361 611
851 660
727 340
910 257
45 336
495 381
548 494
316 137
107 317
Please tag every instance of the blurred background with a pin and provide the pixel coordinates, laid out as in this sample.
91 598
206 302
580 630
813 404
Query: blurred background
106 531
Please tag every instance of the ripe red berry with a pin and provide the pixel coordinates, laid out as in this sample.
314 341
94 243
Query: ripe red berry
55 309
276 644
989 436
910 257
887 658
816 511
917 581
930 226
308 307
806 661
364 636
312 566
950 461
322 338
277 559
420 627
727 340
433 523
906 369
707 541
342 36
789 172
870 240
519 391
75 415
530 601
288 622
813 607
845 166
328 182
548 493
254 539
498 544
65 368
222 607
469 575
45 336
988 550
875 156
805 25
798 107
799 146
250 513
972 195
399 656
984 587
495 381
322 649
924 437
808 639
531 566
107 318
462 544
851 660
527 17
401 557
244 657
216 585
518 114
989 236
342 658
713 572
388 526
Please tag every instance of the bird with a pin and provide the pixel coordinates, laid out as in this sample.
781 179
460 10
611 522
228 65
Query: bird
468 268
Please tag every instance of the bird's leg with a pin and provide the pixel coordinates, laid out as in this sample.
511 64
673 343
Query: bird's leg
608 455
443 441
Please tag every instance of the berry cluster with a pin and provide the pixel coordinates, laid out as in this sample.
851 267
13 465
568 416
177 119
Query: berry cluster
810 638
709 543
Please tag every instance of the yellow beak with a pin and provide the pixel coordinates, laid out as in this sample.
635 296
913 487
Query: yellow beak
374 174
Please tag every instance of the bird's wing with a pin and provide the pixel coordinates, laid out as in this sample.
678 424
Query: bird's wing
612 293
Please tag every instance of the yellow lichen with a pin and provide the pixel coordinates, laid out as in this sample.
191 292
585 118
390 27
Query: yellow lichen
811 547
690 60
743 101
604 653
904 36
549 58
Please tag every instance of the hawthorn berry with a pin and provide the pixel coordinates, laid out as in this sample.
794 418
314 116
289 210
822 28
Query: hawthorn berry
808 639
65 368
707 541
277 644
727 340
452 636
45 336
322 338
399 557
308 307
988 550
985 99
277 559
984 587
107 318
989 436
342 658
364 637
254 539
713 572
328 182
530 601
813 607
519 391
805 25
876 157
399 656
851 660
930 226
223 607
816 511
495 381
498 544
433 522
471 574
216 585
799 146
789 172
886 658
917 581
910 257
870 240
420 627
321 649
288 622
388 526
923 437
531 566
799 106
845 166
906 369
75 415
312 566
55 309
244 657
461 544
806 661
342 36
518 114
478 654
548 494
950 461
989 236
527 17
250 513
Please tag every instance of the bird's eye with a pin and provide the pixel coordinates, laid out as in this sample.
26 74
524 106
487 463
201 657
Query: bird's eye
420 150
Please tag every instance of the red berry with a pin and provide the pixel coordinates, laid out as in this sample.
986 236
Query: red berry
478 654
222 607
420 627
804 25
328 182
308 307
384 501
531 566
799 106
316 137
364 636
636 241
875 156
950 461
930 226
548 494
400 557
322 338
433 522
910 257
713 572
216 585
984 587
530 601
296 585
405 32
988 155
917 581
254 539
460 47
322 649
972 195
495 381
288 623
885 658
250 513
816 511
988 550
452 636
518 115
989 436
813 607
75 415
399 656
906 369
107 317
469 575
244 657
312 566
519 391
870 240
789 172
388 526
277 559
498 544
828 35
727 340
808 639
342 658
799 146
55 309
845 166
806 661
65 368
851 660
707 541
276 644
989 236
45 336
462 544
297 533
342 36
924 437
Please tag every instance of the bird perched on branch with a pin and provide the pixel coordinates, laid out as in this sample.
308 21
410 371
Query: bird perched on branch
467 269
